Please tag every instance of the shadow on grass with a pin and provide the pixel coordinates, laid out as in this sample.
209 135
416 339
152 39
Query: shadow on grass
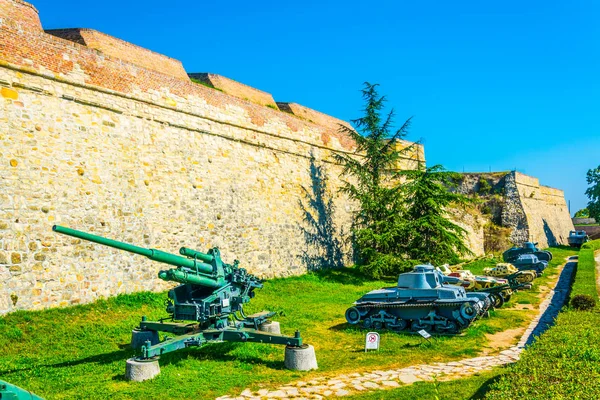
484 389
344 276
218 352
106 358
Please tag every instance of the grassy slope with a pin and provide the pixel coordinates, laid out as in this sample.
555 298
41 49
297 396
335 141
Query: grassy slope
80 352
564 363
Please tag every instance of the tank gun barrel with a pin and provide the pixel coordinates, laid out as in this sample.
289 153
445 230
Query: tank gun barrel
153 254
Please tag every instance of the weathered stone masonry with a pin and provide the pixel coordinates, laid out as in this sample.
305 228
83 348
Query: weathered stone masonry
141 154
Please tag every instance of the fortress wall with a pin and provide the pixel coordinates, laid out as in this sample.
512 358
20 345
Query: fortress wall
144 174
236 89
123 50
548 218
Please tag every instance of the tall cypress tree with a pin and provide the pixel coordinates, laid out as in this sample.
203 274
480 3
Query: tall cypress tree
373 183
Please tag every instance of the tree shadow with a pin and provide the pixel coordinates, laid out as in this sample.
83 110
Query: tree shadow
323 246
550 237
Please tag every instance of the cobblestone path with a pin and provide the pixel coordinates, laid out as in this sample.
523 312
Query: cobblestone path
347 384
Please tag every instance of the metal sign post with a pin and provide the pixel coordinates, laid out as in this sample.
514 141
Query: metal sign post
425 335
372 341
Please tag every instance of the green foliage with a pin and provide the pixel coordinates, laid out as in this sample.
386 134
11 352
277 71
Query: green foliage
430 235
378 226
484 186
401 218
273 106
583 302
593 193
583 213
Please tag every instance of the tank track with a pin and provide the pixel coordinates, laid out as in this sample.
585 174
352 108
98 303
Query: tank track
406 305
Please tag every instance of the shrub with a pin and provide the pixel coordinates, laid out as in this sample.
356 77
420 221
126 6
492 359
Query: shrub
583 302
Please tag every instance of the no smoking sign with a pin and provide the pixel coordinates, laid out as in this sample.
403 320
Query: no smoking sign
372 341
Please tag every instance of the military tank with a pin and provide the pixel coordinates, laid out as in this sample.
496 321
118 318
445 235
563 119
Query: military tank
578 238
499 289
530 262
506 270
421 300
527 248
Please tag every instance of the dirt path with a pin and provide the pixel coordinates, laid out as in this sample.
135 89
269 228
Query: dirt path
347 384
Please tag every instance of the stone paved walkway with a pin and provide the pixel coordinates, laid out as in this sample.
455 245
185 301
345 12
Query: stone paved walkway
347 384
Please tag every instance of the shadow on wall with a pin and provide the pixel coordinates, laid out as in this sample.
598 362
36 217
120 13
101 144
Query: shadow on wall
323 246
549 234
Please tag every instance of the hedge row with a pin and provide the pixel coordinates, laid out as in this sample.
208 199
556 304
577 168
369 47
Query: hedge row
564 363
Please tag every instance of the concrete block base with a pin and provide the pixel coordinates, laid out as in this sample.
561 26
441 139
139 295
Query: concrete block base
138 338
300 358
139 371
271 326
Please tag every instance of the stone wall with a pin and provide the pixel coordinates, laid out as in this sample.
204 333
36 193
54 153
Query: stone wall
547 214
533 211
138 153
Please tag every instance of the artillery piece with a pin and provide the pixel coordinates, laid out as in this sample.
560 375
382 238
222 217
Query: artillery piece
12 392
212 294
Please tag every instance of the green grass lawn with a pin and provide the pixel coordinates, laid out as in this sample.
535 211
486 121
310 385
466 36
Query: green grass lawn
80 352
564 363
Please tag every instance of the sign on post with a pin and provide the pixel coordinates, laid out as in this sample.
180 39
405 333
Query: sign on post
424 334
372 341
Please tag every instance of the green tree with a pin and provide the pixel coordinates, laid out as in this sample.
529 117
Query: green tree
373 183
431 235
583 213
593 192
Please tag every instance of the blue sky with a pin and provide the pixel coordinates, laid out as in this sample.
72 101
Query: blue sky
500 85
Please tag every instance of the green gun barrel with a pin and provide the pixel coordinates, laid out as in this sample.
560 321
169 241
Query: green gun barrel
184 251
12 392
153 254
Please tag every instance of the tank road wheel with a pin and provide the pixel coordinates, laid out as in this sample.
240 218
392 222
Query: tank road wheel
467 311
506 297
497 300
416 326
399 325
450 327
353 315
527 278
367 322
377 325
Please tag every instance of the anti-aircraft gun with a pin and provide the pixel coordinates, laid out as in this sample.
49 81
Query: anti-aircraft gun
212 294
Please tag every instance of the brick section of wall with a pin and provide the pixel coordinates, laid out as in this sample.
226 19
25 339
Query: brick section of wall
236 89
20 15
48 54
123 50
